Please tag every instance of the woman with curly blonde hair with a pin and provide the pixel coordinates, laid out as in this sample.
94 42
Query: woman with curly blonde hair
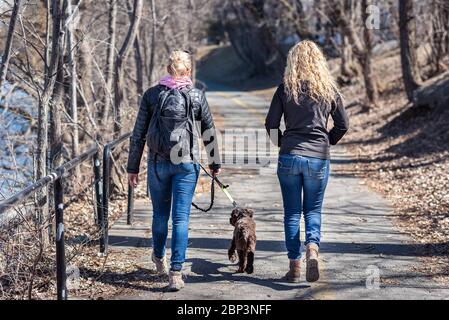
306 99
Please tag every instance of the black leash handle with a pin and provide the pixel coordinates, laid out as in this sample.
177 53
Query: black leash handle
214 180
212 199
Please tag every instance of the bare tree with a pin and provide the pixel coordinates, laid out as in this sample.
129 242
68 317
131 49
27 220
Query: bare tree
252 38
349 68
367 60
296 14
7 52
362 49
407 29
85 55
70 22
45 96
56 105
153 42
139 65
119 64
112 21
440 34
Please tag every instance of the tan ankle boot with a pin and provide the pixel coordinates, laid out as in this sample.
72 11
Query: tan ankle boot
175 281
312 267
161 265
294 273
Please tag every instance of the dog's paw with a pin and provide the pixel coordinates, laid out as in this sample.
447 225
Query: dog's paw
240 270
249 269
232 257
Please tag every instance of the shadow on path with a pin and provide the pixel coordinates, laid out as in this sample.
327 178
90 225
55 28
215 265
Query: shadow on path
209 272
393 249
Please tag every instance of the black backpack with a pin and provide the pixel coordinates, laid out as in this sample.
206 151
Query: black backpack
170 132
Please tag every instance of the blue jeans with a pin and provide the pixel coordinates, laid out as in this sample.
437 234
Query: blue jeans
172 188
303 182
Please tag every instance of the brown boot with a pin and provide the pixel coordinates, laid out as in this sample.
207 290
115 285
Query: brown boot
312 268
295 271
175 281
161 265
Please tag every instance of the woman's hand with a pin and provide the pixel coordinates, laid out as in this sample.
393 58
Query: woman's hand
215 173
133 179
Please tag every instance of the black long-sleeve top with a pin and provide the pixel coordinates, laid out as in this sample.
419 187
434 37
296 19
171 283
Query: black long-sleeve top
306 131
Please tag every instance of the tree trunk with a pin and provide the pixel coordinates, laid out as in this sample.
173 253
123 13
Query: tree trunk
297 16
191 7
55 116
368 74
302 29
407 29
85 65
139 66
44 101
47 37
253 39
346 15
108 98
42 130
119 62
362 49
440 35
9 39
153 42
349 69
73 83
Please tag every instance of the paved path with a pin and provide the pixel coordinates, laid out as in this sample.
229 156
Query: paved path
363 256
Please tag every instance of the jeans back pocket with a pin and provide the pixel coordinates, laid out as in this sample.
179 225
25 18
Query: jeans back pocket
318 168
285 165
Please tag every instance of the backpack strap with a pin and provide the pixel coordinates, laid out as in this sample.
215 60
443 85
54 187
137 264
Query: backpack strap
189 103
191 115
162 97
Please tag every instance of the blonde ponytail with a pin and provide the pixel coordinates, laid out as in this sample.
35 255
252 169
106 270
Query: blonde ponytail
180 64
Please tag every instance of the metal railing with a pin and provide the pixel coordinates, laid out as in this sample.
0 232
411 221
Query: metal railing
104 213
101 186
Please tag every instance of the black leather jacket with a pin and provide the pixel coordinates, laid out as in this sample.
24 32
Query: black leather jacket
202 115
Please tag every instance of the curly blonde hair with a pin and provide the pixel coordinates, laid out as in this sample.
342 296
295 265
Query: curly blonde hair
306 64
179 63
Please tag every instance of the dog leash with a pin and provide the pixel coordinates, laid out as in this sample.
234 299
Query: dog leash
223 187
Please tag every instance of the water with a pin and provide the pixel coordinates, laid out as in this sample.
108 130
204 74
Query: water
16 141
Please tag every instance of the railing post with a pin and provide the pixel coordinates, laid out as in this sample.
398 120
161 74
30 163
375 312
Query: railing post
130 218
104 237
60 245
98 188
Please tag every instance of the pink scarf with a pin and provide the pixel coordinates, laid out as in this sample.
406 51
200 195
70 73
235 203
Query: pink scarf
176 83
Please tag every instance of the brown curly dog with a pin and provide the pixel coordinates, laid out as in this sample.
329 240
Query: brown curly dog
244 239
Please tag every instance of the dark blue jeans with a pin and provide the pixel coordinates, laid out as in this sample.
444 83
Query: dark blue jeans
172 188
303 183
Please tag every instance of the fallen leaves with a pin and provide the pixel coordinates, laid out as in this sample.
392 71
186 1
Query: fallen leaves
400 153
